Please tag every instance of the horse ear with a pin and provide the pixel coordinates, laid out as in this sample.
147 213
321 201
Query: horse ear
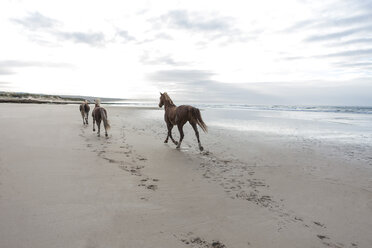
161 93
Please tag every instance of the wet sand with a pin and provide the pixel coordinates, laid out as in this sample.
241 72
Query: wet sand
62 186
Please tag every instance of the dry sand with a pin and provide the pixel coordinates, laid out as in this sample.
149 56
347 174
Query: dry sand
62 186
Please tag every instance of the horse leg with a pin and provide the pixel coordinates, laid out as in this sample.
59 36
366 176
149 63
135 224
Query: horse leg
99 127
197 135
170 135
105 131
86 118
82 115
169 127
94 122
180 129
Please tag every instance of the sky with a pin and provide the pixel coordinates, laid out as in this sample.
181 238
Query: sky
252 52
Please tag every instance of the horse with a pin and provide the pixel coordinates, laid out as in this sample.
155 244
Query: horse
179 116
84 110
100 114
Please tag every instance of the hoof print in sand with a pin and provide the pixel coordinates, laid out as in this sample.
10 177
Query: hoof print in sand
322 237
141 158
152 187
205 153
110 160
264 201
326 241
149 186
201 243
319 224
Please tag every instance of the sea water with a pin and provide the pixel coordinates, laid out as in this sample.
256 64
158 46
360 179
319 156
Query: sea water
339 124
345 124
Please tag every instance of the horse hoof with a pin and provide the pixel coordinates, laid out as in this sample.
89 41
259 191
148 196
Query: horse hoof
106 135
94 130
165 141
176 143
178 147
201 148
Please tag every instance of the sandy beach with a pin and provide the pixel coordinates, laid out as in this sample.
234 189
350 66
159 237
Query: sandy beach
62 186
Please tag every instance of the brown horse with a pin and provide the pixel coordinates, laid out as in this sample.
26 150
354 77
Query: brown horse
179 116
100 114
84 110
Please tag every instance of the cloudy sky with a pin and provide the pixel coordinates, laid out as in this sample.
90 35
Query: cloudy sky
276 52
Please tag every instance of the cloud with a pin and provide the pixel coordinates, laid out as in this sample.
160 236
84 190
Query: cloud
183 19
38 22
347 53
338 28
355 64
180 75
163 36
19 63
35 21
300 25
209 24
159 36
5 71
334 21
357 19
355 41
356 92
126 36
162 60
193 85
5 85
339 35
330 36
8 66
197 85
91 38
294 57
350 53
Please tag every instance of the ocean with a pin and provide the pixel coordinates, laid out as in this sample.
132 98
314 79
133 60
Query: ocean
345 124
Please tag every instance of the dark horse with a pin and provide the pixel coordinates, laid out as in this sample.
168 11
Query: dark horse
100 114
179 116
84 110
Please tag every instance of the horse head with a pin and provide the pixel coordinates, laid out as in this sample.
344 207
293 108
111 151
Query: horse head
161 103
165 100
97 102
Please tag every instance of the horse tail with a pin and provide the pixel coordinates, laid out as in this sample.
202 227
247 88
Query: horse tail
81 108
86 108
197 116
104 118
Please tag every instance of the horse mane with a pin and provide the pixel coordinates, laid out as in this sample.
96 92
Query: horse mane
168 99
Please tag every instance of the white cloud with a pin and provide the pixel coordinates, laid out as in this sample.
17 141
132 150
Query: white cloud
135 49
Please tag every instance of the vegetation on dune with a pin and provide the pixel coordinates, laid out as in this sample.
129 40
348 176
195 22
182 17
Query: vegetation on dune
20 95
23 97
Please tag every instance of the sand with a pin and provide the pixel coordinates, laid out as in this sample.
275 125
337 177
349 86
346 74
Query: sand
62 186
